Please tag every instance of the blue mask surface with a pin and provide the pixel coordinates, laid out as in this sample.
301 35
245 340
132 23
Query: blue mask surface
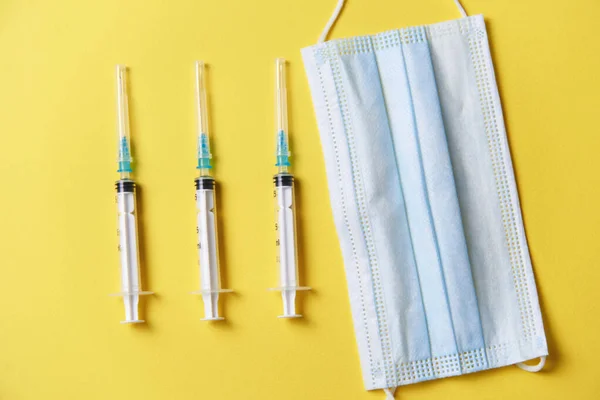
425 203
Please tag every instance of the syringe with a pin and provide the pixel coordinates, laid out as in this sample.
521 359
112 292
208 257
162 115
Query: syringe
208 248
285 207
131 287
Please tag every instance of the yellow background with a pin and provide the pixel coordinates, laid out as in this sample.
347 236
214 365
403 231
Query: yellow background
60 336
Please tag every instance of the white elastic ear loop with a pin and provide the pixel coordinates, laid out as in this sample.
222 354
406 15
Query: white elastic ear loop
389 393
340 5
533 368
334 17
461 9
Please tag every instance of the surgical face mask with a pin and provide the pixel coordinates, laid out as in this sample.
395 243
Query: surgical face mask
425 203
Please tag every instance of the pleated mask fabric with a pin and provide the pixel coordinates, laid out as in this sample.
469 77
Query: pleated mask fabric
425 203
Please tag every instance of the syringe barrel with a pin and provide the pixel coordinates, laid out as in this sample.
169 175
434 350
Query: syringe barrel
285 228
128 247
208 248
